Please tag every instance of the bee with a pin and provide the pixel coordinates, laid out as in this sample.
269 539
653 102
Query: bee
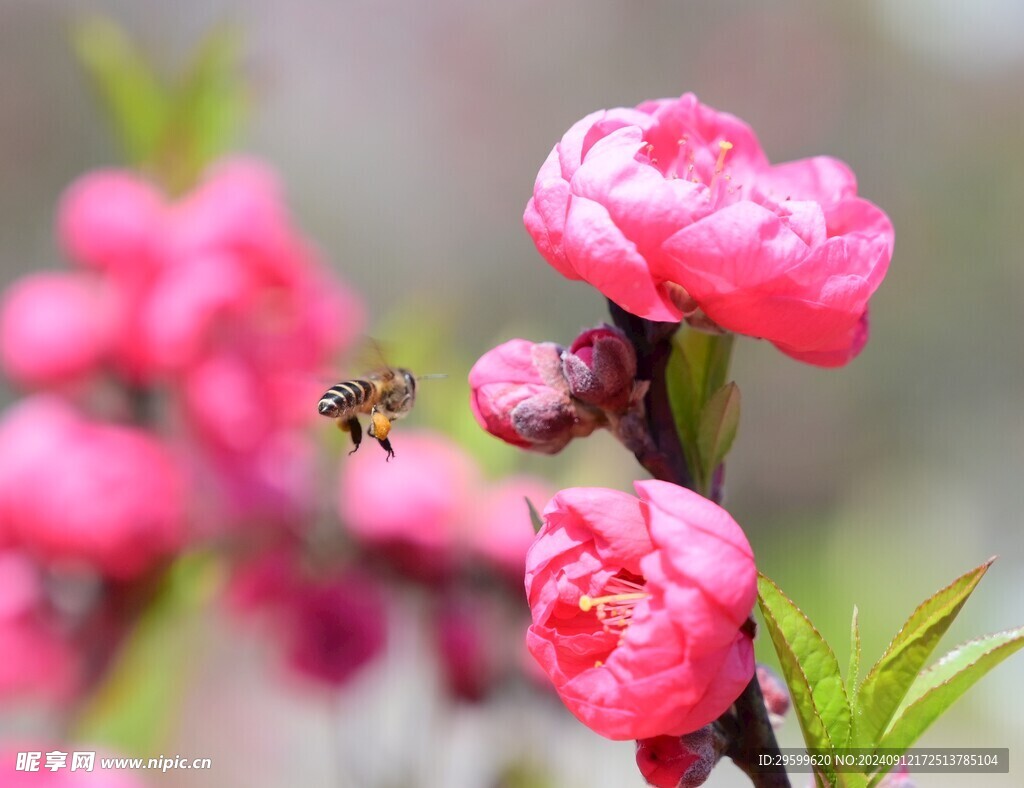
386 395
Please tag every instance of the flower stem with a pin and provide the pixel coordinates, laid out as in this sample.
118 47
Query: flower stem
663 456
753 737
746 725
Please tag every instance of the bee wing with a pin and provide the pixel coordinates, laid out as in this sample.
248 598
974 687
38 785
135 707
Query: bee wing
369 357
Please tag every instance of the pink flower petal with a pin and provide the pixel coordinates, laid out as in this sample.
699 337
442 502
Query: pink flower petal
605 258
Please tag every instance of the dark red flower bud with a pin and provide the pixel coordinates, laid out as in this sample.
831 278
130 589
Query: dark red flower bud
600 368
678 761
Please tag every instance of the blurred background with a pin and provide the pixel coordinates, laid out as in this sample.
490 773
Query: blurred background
407 137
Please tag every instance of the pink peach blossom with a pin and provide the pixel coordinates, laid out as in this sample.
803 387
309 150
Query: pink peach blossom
270 484
336 627
640 608
54 328
222 267
501 532
111 220
330 627
775 694
673 207
39 659
899 777
520 395
237 209
417 510
466 649
216 300
75 490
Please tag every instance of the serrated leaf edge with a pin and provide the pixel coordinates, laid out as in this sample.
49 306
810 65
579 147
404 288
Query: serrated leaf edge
945 683
899 642
828 735
853 675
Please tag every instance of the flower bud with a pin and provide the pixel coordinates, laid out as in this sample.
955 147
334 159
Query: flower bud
678 761
600 368
519 395
776 698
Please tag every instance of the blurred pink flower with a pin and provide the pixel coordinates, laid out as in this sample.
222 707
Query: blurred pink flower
418 510
640 608
263 581
329 627
776 696
677 761
54 328
501 531
899 777
38 659
466 648
217 297
270 484
111 220
335 627
672 207
520 395
221 268
81 491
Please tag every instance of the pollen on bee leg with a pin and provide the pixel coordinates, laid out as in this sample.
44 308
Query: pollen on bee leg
380 425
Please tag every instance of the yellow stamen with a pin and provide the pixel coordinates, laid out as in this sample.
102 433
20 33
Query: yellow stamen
723 149
615 610
587 603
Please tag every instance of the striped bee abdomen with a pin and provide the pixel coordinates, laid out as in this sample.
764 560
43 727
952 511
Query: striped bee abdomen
346 398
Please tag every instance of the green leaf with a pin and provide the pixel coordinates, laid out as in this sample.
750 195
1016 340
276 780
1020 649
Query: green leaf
535 517
939 687
173 133
719 421
134 709
853 674
696 369
892 676
810 668
208 108
136 103
683 394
